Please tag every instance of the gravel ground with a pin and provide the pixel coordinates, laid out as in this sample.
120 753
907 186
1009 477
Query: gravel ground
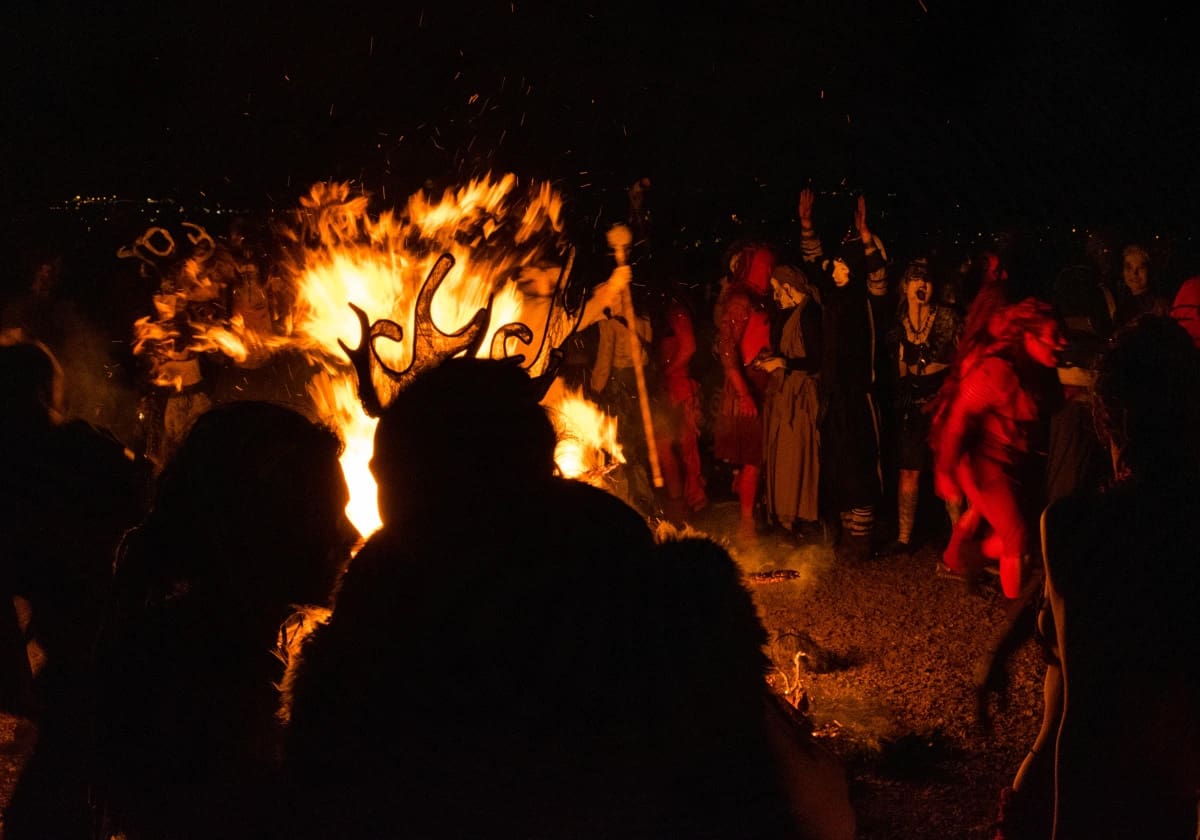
891 651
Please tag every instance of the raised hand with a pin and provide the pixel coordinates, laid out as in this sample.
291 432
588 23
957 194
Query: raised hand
805 207
860 220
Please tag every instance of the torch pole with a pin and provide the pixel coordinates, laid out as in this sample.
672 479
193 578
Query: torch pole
620 237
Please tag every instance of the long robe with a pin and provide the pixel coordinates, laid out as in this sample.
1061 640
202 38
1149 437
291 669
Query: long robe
792 439
849 430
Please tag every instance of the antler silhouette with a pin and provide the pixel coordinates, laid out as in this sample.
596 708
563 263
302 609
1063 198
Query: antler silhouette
431 346
516 330
360 357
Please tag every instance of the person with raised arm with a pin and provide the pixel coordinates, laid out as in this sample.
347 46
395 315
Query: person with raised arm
850 480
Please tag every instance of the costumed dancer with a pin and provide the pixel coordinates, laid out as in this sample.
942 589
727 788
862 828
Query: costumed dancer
677 416
984 437
925 338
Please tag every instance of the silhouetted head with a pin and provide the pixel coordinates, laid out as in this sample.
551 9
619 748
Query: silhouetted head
469 430
1147 399
1099 252
252 506
31 384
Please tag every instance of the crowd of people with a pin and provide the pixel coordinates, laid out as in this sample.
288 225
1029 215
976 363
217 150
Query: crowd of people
224 657
877 403
1059 429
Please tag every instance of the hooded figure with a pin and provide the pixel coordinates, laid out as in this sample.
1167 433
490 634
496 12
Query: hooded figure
792 444
744 334
851 483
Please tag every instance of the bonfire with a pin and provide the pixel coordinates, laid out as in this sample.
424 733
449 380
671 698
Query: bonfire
370 298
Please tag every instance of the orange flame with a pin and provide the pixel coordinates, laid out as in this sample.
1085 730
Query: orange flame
337 253
587 437
336 401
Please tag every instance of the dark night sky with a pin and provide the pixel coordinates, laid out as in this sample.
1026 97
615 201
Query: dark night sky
1036 110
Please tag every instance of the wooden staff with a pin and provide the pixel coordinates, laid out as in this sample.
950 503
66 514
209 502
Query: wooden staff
619 239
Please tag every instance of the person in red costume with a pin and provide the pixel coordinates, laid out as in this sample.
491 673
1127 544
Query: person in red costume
677 416
983 437
743 333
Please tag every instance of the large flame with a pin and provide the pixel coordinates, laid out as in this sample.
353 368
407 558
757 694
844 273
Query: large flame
587 437
337 253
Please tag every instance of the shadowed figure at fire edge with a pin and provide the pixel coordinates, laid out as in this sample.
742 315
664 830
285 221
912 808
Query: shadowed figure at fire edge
68 491
513 655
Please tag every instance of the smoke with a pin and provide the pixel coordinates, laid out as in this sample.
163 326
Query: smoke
97 383
95 387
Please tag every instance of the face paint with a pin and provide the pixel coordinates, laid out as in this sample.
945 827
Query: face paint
918 291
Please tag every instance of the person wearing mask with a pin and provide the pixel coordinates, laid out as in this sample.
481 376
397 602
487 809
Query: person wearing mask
926 339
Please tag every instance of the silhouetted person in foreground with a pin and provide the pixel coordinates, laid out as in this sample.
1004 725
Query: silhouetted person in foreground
1117 753
513 656
69 492
1123 584
247 523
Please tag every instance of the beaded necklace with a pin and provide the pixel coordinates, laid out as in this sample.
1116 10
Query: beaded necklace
919 334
